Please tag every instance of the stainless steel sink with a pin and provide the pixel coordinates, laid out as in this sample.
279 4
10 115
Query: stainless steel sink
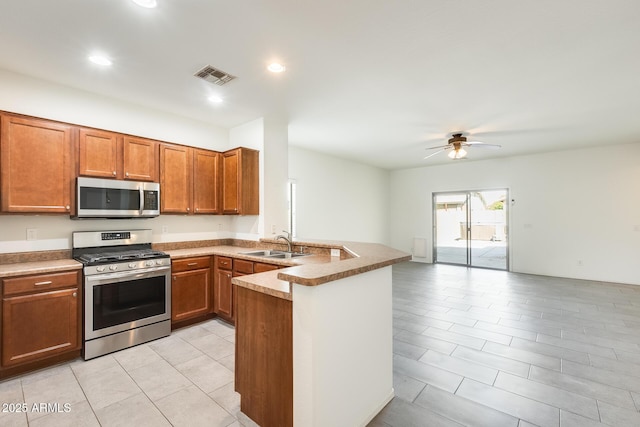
265 253
286 255
273 254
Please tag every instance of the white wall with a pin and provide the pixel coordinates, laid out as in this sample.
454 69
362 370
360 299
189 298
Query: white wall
342 350
569 206
276 175
25 95
339 199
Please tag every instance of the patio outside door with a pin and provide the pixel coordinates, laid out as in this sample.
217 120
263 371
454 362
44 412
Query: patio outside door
470 228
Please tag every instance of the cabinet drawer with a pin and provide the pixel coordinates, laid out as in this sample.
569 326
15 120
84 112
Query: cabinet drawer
223 263
242 266
40 282
190 264
260 267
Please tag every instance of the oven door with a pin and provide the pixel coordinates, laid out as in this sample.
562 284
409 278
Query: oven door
116 302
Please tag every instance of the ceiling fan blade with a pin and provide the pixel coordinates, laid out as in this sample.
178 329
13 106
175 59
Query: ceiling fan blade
437 148
482 144
431 155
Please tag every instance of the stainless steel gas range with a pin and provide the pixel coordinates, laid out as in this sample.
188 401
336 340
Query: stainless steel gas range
127 290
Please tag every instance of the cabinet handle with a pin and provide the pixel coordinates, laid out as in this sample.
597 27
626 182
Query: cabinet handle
174 277
67 207
75 294
114 173
48 282
192 264
126 174
197 209
187 209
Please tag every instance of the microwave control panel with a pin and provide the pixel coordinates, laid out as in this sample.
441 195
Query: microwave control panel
151 200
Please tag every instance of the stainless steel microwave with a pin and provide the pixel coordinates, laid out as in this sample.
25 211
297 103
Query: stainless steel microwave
109 198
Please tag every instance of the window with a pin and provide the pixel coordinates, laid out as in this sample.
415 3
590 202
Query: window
291 198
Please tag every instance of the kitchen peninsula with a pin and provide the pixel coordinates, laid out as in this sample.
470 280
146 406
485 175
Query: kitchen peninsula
314 341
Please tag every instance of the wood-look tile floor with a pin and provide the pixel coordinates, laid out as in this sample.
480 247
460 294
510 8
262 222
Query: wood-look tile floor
480 347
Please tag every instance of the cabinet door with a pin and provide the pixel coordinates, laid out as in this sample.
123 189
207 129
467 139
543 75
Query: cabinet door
261 267
36 165
240 186
223 294
205 181
230 182
190 294
39 325
98 153
175 179
140 159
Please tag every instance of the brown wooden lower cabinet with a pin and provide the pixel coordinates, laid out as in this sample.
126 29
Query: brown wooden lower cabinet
191 289
41 320
264 358
222 287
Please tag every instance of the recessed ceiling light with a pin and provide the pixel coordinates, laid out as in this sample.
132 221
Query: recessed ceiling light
215 99
149 4
100 60
276 68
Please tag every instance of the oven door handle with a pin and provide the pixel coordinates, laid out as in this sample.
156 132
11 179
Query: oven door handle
140 274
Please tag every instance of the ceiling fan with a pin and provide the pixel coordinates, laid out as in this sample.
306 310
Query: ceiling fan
456 145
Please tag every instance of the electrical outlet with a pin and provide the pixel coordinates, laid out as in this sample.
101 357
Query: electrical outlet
165 229
580 264
273 229
219 226
32 234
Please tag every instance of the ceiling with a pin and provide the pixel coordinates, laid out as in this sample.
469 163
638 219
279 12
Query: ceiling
371 80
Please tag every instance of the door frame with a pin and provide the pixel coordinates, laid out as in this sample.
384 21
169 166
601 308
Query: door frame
434 228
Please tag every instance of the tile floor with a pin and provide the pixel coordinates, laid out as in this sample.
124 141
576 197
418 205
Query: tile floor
185 379
471 347
480 347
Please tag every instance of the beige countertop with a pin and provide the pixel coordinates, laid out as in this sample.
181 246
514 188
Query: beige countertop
310 270
37 267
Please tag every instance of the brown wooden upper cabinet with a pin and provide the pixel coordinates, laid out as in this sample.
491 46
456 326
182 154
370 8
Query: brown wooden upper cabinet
35 160
139 159
189 180
240 182
104 154
206 179
176 195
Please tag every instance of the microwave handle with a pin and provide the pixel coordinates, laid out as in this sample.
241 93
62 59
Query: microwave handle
141 188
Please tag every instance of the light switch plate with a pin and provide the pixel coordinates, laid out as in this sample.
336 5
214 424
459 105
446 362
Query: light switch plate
335 252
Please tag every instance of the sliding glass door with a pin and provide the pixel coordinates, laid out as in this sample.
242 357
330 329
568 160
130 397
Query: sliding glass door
470 228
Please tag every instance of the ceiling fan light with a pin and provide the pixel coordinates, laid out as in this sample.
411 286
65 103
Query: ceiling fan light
457 154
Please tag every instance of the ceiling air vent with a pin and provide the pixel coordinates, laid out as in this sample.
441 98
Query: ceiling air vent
213 75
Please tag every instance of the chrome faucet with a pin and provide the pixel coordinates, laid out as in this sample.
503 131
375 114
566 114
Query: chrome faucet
286 239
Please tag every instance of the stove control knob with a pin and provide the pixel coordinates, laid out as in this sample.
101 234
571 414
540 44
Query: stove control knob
159 262
149 263
100 269
113 267
132 265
